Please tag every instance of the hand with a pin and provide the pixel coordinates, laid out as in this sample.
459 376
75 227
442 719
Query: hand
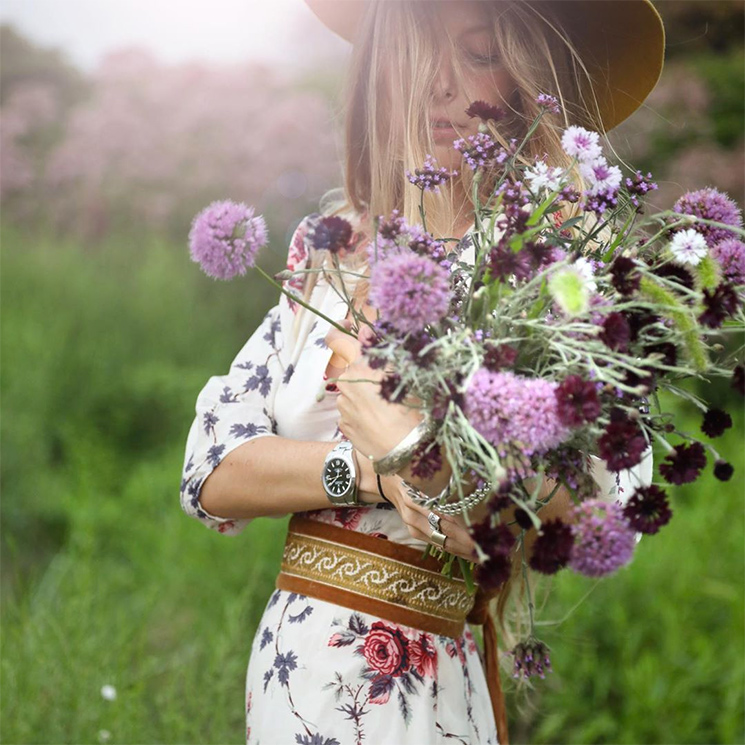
372 424
458 540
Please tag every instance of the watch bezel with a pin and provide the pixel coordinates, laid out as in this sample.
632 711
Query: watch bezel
343 452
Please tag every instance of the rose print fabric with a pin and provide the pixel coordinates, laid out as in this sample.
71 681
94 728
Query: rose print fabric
318 673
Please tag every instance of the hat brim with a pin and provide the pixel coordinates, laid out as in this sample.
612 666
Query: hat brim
621 42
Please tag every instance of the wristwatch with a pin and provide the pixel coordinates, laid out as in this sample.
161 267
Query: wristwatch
339 475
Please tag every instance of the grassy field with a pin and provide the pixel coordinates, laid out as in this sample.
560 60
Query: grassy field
106 582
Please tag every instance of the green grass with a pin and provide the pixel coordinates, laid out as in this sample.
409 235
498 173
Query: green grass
106 581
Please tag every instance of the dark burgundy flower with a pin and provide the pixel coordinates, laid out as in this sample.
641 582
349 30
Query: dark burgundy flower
493 573
738 379
683 464
723 470
677 273
523 519
441 400
497 356
622 444
388 387
539 253
503 261
616 332
648 509
577 401
552 548
646 378
667 349
415 342
390 229
497 540
485 111
426 461
715 422
638 320
719 305
386 649
331 233
625 278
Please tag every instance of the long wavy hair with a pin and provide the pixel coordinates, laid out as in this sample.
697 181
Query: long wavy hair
384 112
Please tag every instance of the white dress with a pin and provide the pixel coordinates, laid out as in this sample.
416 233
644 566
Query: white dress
316 675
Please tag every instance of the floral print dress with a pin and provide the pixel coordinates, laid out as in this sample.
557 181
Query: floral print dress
319 673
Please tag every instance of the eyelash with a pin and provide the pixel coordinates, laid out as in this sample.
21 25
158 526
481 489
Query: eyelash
484 60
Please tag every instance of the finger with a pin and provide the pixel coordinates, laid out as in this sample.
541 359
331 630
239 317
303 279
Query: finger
457 540
344 346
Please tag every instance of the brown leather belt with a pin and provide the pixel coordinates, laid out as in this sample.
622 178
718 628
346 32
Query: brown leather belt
392 581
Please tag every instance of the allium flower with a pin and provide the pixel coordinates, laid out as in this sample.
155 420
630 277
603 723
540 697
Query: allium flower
506 408
330 233
710 204
622 444
601 176
625 277
723 470
571 290
604 541
430 176
225 238
531 658
716 421
688 246
480 151
410 291
683 464
577 401
552 548
581 144
485 111
719 305
548 102
730 254
648 510
542 177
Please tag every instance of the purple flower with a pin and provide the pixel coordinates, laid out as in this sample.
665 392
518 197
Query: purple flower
225 238
710 204
604 540
330 233
602 178
508 409
531 658
581 143
550 103
639 186
430 176
481 151
410 291
730 253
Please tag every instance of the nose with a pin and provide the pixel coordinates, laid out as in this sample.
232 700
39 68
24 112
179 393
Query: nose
445 81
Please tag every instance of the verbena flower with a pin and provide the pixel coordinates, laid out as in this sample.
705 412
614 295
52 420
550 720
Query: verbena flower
508 409
683 464
639 186
480 151
688 246
647 510
604 540
548 102
410 291
710 204
552 547
581 143
730 255
225 238
531 658
430 177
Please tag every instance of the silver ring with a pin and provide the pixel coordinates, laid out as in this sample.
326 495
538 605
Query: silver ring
434 520
438 538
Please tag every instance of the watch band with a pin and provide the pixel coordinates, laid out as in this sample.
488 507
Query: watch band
345 451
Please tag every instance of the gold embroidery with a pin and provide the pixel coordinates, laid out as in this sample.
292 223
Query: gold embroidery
376 576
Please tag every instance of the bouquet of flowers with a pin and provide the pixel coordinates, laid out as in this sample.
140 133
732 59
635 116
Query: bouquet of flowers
549 349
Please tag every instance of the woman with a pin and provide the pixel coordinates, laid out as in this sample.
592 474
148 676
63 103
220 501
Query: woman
325 670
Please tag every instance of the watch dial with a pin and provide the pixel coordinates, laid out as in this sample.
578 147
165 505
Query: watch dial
338 476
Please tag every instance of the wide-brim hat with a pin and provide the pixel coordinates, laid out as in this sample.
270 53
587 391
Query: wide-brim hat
621 42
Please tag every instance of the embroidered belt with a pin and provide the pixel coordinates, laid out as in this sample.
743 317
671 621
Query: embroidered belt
392 581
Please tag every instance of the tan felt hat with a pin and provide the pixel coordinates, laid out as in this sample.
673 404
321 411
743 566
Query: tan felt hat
621 42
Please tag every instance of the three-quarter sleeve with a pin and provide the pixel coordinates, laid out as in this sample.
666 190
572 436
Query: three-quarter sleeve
237 407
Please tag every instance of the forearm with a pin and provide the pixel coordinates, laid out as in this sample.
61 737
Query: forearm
270 476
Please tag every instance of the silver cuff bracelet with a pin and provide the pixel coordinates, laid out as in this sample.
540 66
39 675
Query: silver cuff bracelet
401 454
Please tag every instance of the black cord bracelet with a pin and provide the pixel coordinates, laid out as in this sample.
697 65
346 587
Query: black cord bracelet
380 489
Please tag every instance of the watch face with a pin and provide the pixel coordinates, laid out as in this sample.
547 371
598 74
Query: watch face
337 477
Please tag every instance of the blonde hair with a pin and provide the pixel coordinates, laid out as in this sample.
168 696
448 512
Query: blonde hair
385 119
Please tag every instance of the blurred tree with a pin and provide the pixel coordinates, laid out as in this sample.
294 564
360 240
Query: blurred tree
702 25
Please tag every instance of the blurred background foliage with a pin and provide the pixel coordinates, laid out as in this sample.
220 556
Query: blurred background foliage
109 332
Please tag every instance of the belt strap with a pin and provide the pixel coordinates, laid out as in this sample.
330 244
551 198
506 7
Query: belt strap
390 580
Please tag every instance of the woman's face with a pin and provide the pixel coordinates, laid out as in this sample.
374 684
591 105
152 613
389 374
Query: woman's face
469 25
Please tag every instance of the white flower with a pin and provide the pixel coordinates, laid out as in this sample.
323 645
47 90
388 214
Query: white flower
581 144
108 692
104 735
688 247
584 267
600 175
543 177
